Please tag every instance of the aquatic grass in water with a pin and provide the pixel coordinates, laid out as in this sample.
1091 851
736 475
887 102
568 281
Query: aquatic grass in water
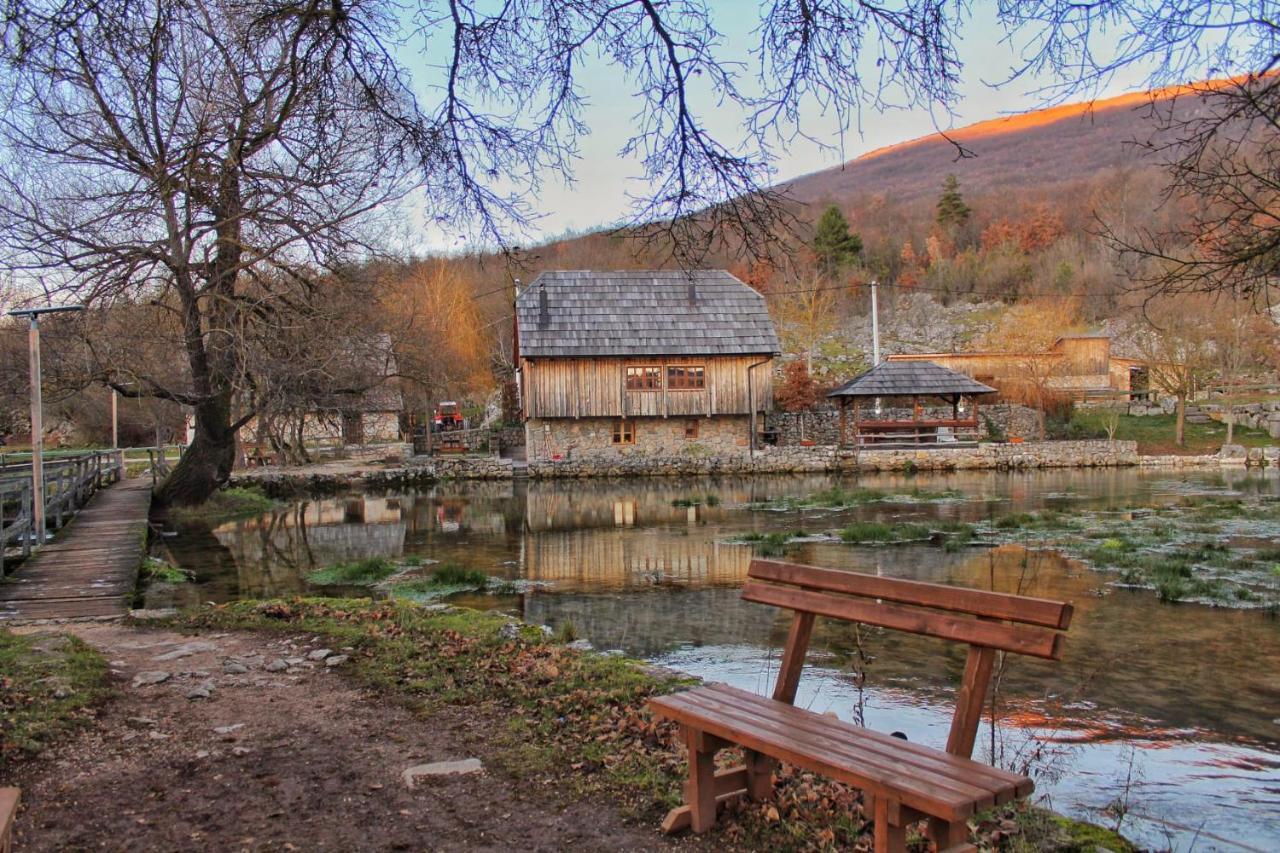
358 573
158 570
880 532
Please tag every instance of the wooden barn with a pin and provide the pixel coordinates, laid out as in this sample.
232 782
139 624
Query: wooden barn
661 363
1083 366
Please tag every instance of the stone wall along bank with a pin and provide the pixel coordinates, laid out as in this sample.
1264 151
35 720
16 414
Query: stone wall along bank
1048 454
822 426
283 482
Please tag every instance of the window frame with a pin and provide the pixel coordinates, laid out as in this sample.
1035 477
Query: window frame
644 368
683 384
691 429
624 431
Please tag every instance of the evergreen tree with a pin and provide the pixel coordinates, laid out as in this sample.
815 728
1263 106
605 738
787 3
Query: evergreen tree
833 244
952 211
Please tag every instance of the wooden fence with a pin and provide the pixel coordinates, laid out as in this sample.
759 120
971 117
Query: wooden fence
69 482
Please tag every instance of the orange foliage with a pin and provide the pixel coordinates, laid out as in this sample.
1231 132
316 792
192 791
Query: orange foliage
1036 231
797 392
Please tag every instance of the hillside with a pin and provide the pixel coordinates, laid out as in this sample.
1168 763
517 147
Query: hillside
1036 150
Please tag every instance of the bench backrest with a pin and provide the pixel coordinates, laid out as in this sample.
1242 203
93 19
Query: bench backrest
987 621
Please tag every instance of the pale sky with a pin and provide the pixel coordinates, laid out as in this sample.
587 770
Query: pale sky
603 179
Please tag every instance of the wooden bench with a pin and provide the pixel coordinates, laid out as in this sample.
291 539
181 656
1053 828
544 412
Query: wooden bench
9 799
902 782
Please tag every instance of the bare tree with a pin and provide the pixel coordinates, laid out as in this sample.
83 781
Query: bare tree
1178 351
1220 144
188 153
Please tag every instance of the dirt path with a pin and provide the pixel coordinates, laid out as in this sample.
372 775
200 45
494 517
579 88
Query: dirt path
246 744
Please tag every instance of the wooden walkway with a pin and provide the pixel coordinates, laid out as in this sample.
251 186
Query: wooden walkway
91 568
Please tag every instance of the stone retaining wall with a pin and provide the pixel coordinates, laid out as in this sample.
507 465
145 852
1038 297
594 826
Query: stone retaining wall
1263 416
782 459
823 425
320 479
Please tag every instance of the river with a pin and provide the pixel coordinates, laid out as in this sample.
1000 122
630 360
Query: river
1171 711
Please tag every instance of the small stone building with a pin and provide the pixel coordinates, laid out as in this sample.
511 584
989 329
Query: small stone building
664 363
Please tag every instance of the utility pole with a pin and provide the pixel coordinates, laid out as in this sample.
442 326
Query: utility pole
115 419
875 326
37 413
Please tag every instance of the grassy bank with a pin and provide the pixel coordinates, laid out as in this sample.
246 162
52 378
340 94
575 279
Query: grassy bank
575 723
49 684
1155 433
225 505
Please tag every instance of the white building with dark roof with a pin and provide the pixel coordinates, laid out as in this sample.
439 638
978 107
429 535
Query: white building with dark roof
663 363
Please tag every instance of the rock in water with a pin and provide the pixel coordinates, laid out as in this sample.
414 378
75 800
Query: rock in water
441 768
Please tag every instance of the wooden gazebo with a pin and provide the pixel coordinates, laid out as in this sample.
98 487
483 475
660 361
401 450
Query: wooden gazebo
908 401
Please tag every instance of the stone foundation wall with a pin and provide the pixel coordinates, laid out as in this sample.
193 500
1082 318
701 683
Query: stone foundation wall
283 482
572 440
782 459
823 426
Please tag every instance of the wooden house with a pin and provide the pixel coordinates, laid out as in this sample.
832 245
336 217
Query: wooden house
1083 366
641 362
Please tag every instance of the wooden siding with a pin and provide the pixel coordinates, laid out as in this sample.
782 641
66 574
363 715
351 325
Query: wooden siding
1084 356
581 388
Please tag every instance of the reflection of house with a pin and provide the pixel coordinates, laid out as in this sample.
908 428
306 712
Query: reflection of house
605 559
1080 364
665 363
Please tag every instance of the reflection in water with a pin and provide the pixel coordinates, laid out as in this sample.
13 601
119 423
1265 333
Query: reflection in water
1187 696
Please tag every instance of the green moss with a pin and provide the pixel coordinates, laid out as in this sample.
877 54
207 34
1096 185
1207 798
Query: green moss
225 505
48 683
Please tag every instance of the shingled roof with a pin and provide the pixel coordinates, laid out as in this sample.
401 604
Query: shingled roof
583 313
910 379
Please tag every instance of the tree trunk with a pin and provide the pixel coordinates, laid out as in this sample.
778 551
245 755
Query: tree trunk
207 463
1231 424
1181 422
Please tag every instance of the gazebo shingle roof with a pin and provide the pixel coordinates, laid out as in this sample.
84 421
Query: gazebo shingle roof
910 379
583 313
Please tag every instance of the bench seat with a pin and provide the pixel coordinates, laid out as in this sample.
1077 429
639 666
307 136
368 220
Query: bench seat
927 780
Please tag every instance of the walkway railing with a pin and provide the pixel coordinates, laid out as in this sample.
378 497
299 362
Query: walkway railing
69 481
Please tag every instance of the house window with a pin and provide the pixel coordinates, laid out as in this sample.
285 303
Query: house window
686 377
691 428
624 432
644 378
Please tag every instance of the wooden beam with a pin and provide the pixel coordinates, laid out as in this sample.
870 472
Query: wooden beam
969 702
793 657
9 800
701 789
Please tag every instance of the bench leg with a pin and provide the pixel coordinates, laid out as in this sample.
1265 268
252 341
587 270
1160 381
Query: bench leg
950 836
702 781
890 834
700 794
759 769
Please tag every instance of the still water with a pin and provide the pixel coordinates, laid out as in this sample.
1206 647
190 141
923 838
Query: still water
1171 710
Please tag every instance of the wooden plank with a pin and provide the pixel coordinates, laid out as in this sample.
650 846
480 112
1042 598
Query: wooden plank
1023 639
998 605
890 835
91 569
9 800
962 776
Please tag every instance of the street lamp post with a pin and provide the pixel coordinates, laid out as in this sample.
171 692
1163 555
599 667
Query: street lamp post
37 412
